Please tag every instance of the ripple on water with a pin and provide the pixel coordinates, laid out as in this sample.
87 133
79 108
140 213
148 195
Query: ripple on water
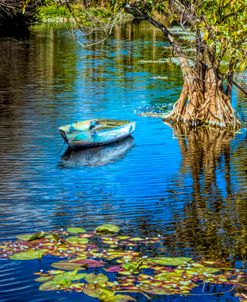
188 187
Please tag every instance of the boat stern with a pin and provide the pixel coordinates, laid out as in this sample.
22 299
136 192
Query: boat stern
63 134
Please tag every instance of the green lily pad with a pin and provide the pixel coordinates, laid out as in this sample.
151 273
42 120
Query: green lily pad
155 291
122 298
170 261
77 240
94 279
55 272
108 296
68 276
31 237
170 276
49 285
76 230
92 291
107 229
202 270
123 237
54 237
135 239
67 266
28 255
43 278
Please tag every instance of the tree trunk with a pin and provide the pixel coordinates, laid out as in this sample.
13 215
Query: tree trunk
203 101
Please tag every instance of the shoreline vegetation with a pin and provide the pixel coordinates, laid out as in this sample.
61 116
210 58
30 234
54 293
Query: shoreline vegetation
16 18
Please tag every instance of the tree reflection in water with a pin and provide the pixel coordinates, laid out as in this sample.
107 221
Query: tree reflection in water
213 222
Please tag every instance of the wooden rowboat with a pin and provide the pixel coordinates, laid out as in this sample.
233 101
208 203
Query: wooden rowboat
95 132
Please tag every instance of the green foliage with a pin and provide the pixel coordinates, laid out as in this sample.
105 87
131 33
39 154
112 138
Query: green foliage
221 25
52 11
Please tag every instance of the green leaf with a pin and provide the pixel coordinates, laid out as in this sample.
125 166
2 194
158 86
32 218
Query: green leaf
107 229
76 230
28 255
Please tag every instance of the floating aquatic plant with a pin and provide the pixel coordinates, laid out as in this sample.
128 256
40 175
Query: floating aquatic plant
113 267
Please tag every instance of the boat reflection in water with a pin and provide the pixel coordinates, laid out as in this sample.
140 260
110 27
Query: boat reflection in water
97 156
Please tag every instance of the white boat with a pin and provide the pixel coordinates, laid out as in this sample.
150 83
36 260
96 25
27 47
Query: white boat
95 132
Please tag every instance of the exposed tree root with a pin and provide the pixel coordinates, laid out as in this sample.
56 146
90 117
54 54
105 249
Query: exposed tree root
197 105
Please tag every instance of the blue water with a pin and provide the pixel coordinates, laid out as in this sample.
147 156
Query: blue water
160 182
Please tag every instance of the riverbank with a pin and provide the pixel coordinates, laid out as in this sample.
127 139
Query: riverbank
77 13
18 20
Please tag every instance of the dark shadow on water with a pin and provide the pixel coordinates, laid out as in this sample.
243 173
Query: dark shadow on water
97 156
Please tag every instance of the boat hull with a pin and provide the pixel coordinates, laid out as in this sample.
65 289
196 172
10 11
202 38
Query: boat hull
97 132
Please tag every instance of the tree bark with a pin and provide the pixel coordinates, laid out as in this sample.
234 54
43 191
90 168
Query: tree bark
202 99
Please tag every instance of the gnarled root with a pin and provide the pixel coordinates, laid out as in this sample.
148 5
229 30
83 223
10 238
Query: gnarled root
195 108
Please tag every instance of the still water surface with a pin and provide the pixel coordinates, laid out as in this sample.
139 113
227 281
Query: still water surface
188 187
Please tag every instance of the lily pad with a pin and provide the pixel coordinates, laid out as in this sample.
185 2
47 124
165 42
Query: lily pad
89 263
136 239
49 285
76 230
77 240
123 298
202 270
28 255
43 278
31 237
55 272
96 278
69 276
170 261
114 269
107 229
92 291
67 266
